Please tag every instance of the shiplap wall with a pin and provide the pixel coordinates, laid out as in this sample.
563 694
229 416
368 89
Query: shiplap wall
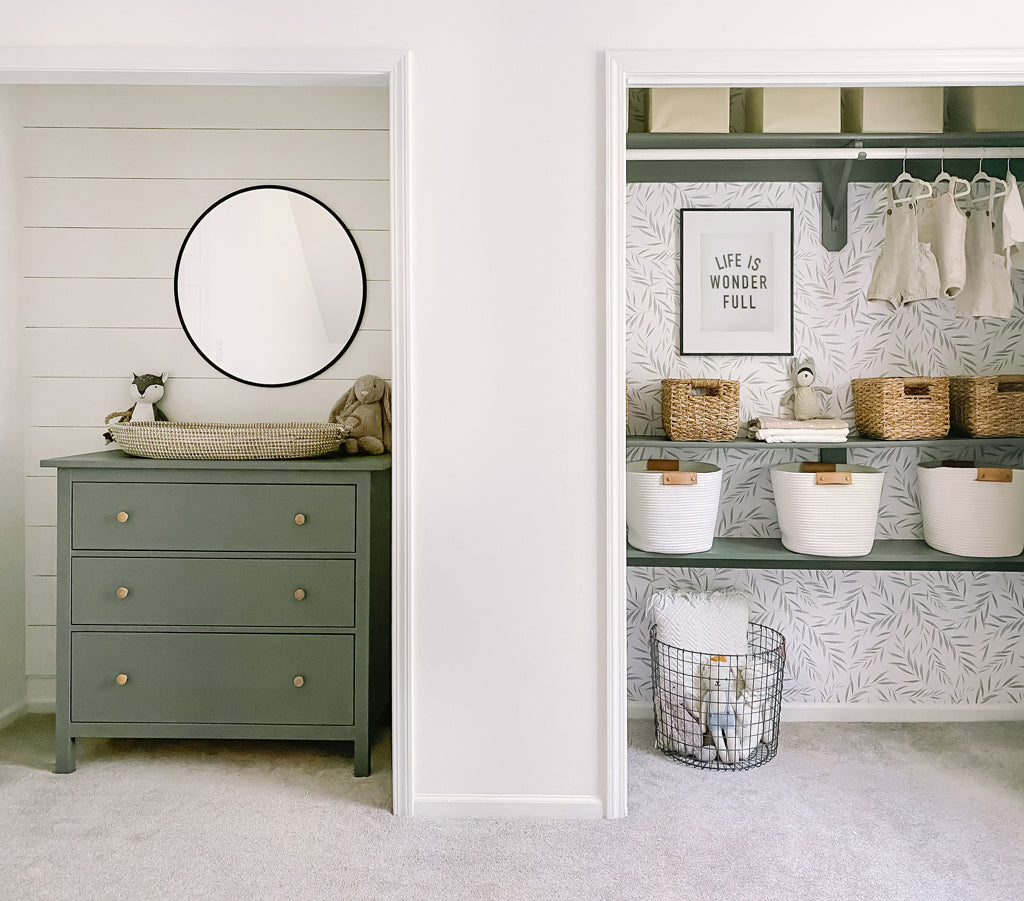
113 178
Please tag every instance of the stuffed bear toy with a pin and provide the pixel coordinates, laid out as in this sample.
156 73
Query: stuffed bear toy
365 410
146 390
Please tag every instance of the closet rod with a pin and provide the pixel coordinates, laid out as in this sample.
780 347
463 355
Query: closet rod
828 153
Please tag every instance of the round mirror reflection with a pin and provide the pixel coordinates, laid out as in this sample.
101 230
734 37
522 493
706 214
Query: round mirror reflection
270 286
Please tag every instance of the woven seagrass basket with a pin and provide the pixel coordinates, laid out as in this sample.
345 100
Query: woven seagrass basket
987 406
902 408
228 441
700 409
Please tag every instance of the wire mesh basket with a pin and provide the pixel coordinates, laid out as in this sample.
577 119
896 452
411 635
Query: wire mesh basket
719 711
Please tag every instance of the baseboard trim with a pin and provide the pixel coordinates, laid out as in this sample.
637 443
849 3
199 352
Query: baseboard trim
876 713
580 807
9 714
41 692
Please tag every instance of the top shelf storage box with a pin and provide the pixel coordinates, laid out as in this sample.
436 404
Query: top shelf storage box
692 110
895 110
793 110
985 108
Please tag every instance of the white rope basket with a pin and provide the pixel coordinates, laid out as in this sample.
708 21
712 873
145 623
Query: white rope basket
668 518
829 514
970 514
228 441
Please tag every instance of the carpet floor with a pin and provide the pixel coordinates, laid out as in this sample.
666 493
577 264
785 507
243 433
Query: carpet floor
845 811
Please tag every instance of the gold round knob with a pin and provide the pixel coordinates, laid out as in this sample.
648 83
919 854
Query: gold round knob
300 595
122 516
122 592
300 518
298 681
121 679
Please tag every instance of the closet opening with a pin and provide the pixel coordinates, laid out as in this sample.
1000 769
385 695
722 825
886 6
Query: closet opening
728 148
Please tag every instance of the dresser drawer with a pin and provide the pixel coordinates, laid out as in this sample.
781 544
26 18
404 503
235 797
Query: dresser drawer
151 516
170 591
211 678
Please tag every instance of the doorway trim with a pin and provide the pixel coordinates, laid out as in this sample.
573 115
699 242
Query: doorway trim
310 67
702 68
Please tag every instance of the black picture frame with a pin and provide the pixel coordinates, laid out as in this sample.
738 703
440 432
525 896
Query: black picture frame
736 281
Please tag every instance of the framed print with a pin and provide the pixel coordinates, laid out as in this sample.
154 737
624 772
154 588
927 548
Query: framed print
736 285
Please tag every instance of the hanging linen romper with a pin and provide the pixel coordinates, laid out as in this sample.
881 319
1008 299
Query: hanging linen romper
906 269
987 291
942 226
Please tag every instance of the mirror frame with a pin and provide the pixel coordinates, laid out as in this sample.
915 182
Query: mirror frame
362 272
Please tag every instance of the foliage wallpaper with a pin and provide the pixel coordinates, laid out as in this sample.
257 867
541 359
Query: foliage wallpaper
852 637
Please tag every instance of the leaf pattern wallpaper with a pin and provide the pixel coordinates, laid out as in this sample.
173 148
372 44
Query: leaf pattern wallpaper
852 637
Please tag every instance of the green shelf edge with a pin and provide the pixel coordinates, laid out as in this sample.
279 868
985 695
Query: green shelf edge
768 553
854 441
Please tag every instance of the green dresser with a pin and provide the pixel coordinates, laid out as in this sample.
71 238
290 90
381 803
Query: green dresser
222 599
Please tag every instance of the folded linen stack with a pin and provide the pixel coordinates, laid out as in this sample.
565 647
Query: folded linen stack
780 431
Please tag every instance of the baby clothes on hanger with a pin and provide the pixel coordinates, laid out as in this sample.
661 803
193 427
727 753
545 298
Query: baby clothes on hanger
942 226
1009 233
987 291
906 269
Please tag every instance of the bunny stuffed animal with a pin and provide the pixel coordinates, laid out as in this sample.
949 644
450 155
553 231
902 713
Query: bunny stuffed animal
365 410
718 706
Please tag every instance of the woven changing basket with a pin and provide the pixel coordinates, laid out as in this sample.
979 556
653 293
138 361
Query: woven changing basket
228 441
900 408
700 409
987 406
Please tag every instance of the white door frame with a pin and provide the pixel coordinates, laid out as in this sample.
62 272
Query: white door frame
323 67
734 68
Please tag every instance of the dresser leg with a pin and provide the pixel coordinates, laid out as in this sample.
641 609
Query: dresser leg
65 754
362 756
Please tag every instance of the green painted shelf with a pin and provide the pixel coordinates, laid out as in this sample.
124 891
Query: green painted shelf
768 553
661 141
853 442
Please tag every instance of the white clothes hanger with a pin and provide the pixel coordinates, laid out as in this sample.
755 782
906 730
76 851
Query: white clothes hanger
956 186
919 188
996 186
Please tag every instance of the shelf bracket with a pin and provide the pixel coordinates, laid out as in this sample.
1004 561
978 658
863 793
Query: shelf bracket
834 202
832 454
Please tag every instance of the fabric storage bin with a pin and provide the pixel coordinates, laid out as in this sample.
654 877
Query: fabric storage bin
972 511
700 409
827 509
878 110
719 711
672 506
985 108
693 110
902 408
782 110
987 406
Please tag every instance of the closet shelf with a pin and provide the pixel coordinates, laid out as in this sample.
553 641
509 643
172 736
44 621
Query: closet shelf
869 443
768 553
664 141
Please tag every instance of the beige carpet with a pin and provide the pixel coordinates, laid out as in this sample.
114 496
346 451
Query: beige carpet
844 812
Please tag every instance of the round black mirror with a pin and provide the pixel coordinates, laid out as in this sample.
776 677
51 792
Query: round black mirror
270 286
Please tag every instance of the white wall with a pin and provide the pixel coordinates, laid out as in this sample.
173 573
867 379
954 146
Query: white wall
507 324
113 177
12 493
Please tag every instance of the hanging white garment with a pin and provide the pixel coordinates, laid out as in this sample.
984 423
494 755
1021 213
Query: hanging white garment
987 291
942 226
906 269
1009 233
